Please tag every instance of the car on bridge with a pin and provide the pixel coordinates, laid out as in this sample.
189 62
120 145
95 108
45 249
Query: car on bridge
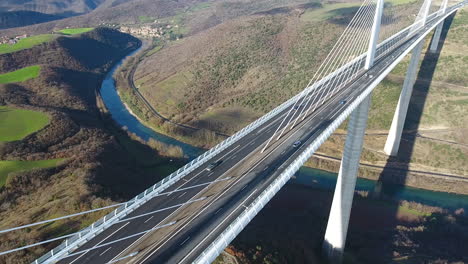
213 165
297 144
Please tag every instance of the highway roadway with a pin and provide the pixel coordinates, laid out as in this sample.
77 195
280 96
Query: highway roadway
177 225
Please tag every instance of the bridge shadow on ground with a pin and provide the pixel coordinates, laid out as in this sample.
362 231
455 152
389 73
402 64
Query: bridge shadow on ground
385 186
413 118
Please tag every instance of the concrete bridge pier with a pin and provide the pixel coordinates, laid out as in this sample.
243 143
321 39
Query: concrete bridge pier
438 30
335 235
436 37
340 212
394 136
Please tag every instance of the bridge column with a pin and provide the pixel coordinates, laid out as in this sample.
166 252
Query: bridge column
438 31
337 227
338 220
394 135
436 37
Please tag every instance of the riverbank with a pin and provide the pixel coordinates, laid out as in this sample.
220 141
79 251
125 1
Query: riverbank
123 115
395 175
142 110
402 220
392 173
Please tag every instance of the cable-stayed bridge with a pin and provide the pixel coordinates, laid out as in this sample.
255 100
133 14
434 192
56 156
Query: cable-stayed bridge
193 214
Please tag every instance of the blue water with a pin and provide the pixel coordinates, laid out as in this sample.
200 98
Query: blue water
306 176
327 181
123 117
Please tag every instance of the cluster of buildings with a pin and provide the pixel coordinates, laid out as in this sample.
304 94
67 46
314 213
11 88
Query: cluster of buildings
146 31
12 41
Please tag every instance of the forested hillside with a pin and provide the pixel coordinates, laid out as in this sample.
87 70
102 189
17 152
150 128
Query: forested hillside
82 160
15 13
222 78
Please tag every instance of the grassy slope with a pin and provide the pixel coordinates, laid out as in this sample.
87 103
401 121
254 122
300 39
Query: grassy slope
26 43
18 123
74 31
7 167
20 75
68 84
225 78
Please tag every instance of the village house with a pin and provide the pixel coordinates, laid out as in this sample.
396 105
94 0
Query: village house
12 41
145 31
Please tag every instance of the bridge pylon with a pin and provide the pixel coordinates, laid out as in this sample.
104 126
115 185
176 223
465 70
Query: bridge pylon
340 212
394 135
438 31
337 227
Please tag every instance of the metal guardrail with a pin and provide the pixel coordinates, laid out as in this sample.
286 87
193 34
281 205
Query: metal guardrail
88 233
97 227
223 240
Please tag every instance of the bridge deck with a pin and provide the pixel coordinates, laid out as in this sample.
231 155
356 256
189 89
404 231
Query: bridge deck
211 206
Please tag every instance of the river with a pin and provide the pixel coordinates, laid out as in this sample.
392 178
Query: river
124 118
307 176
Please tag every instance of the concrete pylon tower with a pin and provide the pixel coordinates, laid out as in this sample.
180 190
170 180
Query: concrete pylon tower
337 227
394 135
438 30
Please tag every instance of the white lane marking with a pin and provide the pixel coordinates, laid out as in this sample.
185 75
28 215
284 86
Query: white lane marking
149 219
244 187
122 258
314 114
220 158
182 195
170 215
99 242
155 248
167 208
144 235
217 211
265 168
193 186
116 241
185 241
203 170
105 251
259 162
214 229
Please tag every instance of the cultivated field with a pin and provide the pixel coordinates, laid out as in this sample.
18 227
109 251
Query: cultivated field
18 123
26 43
74 31
7 168
20 75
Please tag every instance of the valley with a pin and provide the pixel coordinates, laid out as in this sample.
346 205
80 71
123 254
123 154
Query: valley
104 98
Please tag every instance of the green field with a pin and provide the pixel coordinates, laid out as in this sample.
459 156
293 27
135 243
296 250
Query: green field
74 31
18 123
26 43
20 75
7 167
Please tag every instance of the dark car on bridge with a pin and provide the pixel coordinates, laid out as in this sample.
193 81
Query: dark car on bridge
296 144
213 165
